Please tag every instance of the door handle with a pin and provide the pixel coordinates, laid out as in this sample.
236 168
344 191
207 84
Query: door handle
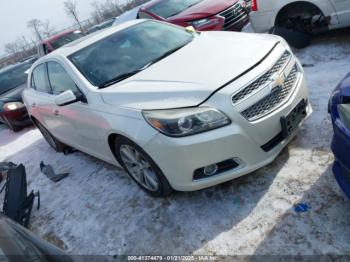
56 112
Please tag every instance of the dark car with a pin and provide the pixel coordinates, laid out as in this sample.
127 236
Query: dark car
203 15
13 80
101 26
339 107
19 244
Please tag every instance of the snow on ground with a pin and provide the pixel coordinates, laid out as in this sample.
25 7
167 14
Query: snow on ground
99 210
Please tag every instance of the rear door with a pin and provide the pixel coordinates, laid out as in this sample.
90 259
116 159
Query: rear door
342 8
39 98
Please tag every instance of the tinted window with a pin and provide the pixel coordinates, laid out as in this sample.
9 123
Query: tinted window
59 79
39 79
13 77
143 15
168 8
63 40
128 51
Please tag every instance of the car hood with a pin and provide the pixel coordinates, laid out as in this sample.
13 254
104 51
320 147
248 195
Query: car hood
13 95
203 9
190 75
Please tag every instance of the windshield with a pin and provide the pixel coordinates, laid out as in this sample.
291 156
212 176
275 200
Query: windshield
63 40
13 77
129 51
168 8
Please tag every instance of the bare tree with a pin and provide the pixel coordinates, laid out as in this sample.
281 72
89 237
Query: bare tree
97 13
70 7
11 48
47 29
35 25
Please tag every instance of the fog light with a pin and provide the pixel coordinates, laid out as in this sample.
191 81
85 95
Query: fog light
210 170
216 169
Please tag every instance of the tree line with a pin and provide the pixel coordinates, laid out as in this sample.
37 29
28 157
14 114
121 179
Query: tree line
24 47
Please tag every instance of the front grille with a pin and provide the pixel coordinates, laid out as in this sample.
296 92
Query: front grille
257 84
274 100
233 15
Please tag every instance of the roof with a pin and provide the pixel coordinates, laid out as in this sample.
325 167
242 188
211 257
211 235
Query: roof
9 67
150 4
55 37
85 41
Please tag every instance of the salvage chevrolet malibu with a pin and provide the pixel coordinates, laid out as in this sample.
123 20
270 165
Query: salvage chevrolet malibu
176 108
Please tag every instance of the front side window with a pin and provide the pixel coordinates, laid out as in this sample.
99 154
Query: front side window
143 15
59 79
129 51
168 8
39 80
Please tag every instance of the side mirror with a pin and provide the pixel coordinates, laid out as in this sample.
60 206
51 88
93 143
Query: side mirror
65 98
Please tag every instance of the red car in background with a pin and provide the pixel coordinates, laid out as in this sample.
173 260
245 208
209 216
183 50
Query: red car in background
203 15
56 41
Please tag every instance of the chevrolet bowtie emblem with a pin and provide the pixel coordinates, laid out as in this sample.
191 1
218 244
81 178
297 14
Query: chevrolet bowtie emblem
277 81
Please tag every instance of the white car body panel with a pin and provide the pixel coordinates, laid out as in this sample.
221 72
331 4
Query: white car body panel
189 77
264 19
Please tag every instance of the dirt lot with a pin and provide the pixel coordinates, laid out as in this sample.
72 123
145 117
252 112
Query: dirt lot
99 210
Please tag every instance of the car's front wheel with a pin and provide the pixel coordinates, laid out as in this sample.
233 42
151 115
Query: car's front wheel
142 169
50 139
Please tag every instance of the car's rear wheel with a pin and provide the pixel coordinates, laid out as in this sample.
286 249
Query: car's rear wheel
141 168
50 139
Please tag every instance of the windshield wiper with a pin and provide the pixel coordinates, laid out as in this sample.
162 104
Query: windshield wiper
129 74
164 56
119 78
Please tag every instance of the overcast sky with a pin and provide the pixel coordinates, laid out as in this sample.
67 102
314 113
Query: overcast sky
14 15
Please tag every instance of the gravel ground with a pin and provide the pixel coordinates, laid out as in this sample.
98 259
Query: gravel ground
99 210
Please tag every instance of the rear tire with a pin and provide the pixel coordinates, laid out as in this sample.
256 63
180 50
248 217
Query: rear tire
141 168
50 139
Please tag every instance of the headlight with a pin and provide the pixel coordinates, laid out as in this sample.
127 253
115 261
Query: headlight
205 21
344 113
13 106
185 122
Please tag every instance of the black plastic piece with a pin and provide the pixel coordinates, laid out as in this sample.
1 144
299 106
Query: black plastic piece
273 143
17 205
48 171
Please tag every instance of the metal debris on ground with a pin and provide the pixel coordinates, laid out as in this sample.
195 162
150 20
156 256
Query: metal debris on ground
48 171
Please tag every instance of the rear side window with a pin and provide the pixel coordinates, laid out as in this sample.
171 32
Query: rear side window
59 79
143 15
39 79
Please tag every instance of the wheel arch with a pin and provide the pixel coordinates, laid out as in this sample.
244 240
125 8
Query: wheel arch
292 5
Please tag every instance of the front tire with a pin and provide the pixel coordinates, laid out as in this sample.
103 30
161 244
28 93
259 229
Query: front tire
141 168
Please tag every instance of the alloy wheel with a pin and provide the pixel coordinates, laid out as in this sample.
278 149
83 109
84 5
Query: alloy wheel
139 167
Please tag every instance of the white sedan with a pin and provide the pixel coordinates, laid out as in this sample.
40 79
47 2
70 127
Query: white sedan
177 109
